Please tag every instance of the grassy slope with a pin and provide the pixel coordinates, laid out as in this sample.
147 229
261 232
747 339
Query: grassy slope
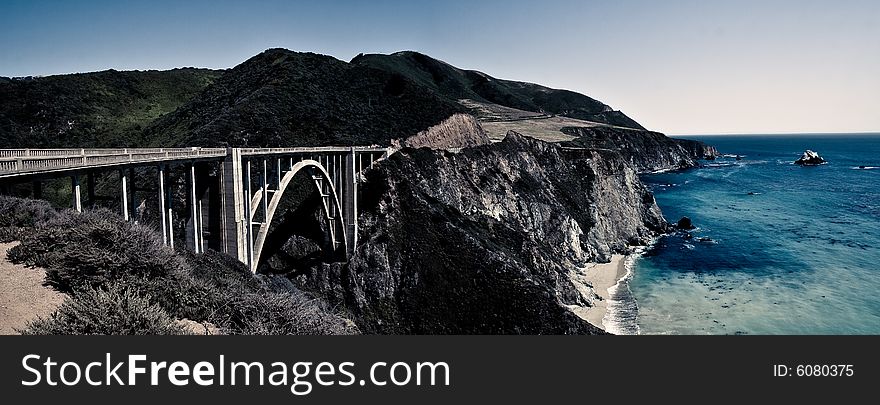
100 109
455 84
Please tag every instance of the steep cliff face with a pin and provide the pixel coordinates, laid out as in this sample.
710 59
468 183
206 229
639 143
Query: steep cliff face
457 131
647 151
698 149
485 240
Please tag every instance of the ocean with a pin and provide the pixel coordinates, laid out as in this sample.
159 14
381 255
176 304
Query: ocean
778 248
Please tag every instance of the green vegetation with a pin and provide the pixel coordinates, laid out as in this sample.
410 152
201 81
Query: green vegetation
99 259
100 109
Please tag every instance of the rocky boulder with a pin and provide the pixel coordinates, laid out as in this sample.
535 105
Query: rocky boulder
685 224
810 158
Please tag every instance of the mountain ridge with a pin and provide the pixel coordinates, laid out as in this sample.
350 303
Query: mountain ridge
457 83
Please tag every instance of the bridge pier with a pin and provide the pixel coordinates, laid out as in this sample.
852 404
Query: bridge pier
170 207
132 213
123 195
161 173
77 194
249 217
234 206
349 192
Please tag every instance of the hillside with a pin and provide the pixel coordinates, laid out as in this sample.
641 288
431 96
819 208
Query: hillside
100 109
283 98
286 98
459 84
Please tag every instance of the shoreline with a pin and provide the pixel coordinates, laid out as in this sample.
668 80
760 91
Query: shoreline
602 277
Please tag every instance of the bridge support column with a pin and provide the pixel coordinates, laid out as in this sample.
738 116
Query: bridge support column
349 193
195 233
264 184
170 209
77 194
162 213
123 203
235 207
249 216
133 204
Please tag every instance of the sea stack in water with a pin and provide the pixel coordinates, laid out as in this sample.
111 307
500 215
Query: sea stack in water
685 223
810 158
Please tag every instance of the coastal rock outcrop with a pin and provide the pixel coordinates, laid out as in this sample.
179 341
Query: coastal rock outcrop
810 158
485 240
698 149
647 151
685 224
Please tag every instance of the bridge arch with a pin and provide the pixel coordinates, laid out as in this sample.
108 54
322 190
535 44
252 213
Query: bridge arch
330 201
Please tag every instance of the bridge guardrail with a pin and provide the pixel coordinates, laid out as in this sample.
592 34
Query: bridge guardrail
33 160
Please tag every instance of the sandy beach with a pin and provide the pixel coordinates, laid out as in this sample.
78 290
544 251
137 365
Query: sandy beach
601 276
23 297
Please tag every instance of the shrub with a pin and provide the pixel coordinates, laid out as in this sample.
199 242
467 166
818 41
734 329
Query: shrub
18 216
85 252
94 248
273 313
115 310
244 304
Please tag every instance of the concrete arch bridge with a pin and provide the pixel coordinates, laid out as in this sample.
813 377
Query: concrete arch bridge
232 194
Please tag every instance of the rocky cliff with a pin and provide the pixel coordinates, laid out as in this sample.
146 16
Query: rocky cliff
646 151
457 131
698 149
485 240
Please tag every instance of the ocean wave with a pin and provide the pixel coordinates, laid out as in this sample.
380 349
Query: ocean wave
865 167
719 165
621 315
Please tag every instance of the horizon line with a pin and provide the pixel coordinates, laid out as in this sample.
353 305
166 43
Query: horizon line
776 133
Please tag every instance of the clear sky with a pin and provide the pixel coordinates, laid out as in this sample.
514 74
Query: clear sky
679 67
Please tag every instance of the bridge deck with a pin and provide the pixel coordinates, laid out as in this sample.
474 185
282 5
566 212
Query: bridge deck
24 162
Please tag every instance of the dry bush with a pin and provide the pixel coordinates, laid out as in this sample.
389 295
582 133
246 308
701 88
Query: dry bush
113 310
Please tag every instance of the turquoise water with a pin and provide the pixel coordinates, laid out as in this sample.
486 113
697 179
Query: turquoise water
778 249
